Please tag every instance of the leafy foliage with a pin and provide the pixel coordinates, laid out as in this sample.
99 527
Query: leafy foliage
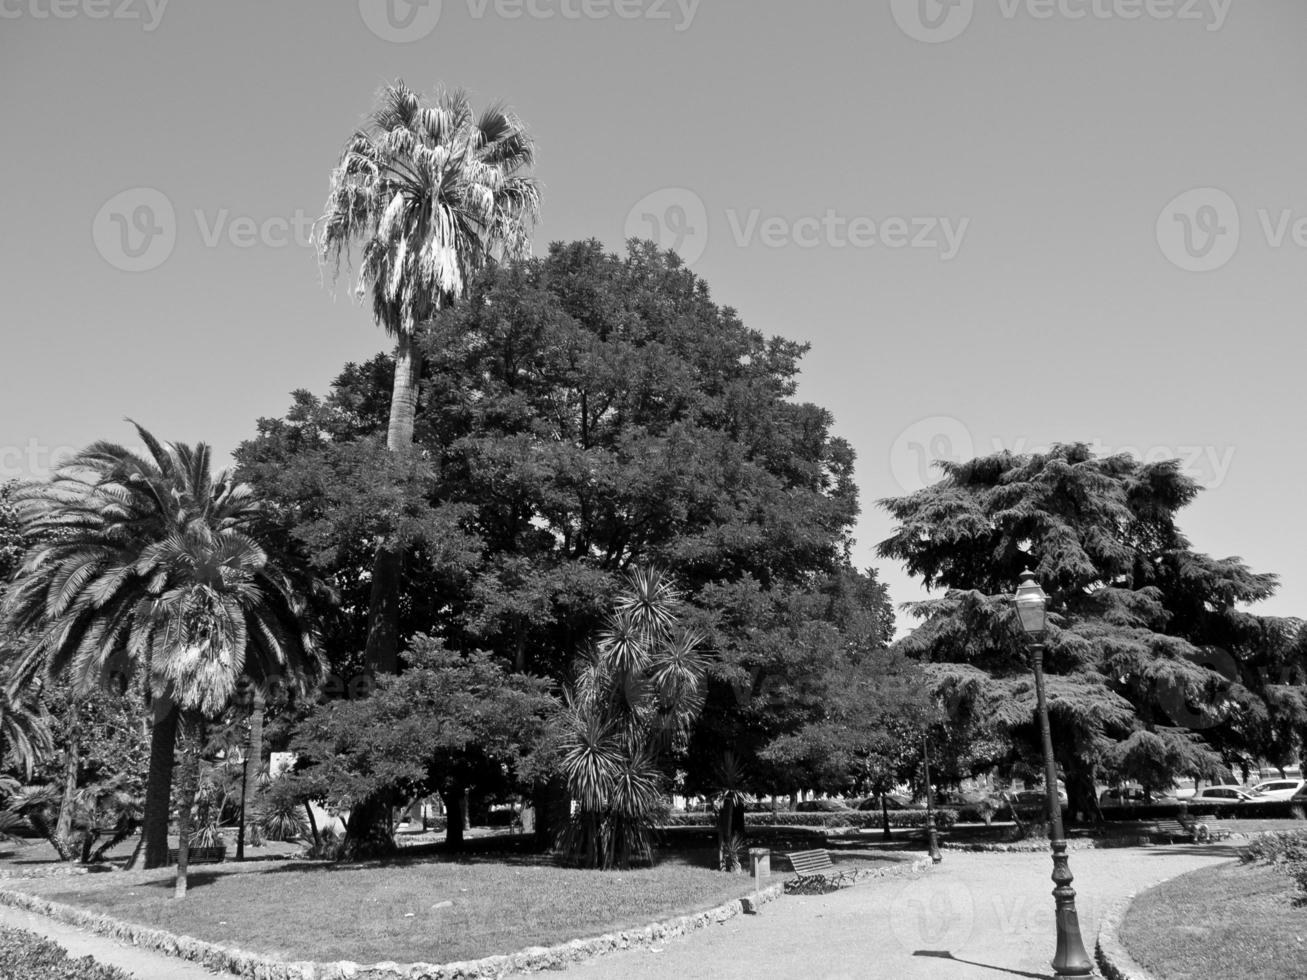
26 956
1154 670
450 719
587 414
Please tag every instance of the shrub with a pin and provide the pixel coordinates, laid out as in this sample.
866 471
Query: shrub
1285 851
822 806
27 956
945 817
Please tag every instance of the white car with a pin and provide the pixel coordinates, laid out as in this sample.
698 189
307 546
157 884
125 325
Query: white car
1222 794
1279 789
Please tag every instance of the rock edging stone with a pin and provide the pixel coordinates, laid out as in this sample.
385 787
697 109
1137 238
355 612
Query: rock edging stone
1113 959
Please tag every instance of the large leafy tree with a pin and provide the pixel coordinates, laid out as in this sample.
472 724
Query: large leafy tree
151 565
430 192
1155 668
439 727
588 413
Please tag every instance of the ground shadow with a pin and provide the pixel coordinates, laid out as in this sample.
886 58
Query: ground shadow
943 954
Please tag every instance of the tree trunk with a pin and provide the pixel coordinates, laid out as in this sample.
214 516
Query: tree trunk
313 824
730 823
884 817
367 831
455 800
72 762
189 786
382 654
158 789
1082 794
253 763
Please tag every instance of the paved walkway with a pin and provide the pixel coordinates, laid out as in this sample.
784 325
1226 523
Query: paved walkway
143 964
974 917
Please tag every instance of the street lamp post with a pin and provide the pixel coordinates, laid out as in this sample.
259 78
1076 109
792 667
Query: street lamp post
932 835
1070 960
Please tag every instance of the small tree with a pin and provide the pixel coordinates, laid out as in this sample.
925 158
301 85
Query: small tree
634 699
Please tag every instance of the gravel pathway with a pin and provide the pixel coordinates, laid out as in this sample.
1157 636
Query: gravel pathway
142 964
973 917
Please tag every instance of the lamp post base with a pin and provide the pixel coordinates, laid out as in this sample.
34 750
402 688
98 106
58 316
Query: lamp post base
1070 960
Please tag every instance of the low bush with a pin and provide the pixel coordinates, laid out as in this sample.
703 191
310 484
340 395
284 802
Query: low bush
822 806
944 818
27 956
1284 850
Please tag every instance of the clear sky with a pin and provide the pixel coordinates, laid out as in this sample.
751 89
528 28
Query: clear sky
999 224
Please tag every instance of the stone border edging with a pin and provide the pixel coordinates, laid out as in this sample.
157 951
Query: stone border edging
1041 847
254 966
1115 962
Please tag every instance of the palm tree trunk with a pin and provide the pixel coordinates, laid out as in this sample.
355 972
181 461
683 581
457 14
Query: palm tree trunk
72 762
253 763
190 781
158 788
383 605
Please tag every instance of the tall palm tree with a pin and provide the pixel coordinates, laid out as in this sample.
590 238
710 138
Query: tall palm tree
432 193
152 564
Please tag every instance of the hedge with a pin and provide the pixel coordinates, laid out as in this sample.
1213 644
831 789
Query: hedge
27 956
863 819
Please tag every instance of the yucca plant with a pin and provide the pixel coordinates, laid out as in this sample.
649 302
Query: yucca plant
634 699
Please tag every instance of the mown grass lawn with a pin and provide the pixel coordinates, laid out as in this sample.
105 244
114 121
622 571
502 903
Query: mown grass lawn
1232 921
430 910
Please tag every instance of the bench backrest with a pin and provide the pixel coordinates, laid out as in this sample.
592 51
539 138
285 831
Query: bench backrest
810 862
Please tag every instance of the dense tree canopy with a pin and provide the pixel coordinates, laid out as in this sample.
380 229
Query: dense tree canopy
583 413
1156 670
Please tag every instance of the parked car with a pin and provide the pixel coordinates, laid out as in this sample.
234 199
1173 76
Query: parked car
1130 796
1038 796
1279 789
1221 794
893 801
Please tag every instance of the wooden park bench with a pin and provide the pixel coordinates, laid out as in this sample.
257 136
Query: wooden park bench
1189 831
814 873
201 855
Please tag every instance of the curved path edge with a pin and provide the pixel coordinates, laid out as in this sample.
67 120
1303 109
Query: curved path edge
255 966
1113 959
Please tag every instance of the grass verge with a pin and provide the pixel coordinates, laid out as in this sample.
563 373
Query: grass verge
1232 921
430 910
